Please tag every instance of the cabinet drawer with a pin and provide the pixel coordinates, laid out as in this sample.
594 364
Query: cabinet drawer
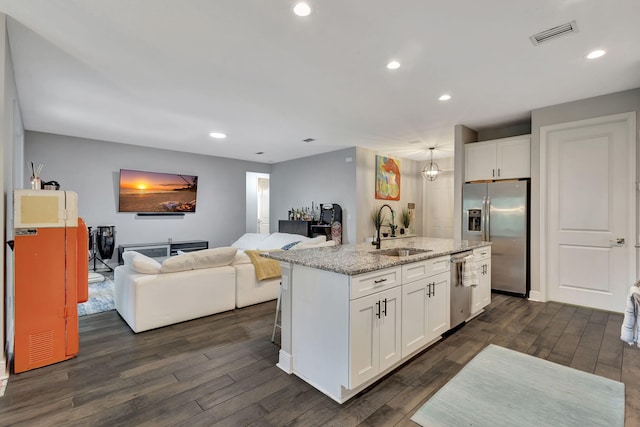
419 270
482 253
376 281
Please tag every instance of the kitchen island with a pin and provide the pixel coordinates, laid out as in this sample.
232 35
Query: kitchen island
353 313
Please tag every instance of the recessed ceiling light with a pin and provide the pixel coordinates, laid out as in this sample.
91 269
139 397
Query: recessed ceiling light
302 9
596 54
260 152
444 97
393 65
217 135
308 140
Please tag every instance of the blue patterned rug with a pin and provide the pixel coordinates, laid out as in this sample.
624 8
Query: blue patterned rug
502 387
100 298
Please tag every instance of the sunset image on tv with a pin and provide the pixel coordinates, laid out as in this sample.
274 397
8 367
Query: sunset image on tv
157 192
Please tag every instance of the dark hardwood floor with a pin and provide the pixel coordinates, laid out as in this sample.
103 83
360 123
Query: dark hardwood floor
220 370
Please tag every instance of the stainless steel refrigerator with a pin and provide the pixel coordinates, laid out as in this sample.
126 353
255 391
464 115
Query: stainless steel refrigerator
499 212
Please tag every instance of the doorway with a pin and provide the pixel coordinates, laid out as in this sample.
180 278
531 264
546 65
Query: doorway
257 202
589 169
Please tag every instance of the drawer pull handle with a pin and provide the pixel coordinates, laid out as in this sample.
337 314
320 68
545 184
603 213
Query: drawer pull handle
379 280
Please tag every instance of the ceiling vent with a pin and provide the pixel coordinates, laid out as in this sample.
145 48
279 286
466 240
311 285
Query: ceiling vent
555 32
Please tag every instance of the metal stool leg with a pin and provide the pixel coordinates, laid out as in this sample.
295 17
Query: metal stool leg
275 321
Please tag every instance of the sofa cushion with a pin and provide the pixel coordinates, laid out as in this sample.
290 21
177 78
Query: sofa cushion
278 240
140 263
241 258
207 258
249 240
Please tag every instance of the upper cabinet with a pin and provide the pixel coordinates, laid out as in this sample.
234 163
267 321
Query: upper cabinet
506 158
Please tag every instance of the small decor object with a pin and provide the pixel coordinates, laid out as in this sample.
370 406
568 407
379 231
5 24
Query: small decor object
387 178
405 219
35 180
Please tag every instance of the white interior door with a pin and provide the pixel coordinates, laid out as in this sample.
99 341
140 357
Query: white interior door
263 205
590 211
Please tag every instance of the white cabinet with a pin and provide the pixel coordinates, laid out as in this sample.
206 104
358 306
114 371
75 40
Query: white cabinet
481 294
425 303
507 158
375 335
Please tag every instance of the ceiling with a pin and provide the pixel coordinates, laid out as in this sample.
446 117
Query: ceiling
163 73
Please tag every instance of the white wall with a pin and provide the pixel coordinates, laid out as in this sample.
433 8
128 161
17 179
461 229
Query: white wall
438 202
91 168
12 159
411 191
324 178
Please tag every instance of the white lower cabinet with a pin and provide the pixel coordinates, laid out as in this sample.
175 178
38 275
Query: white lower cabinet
425 311
375 328
481 294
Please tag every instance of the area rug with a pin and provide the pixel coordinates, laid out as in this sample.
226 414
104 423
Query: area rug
100 298
501 387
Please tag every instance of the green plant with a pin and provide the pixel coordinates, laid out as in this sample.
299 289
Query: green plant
376 219
405 218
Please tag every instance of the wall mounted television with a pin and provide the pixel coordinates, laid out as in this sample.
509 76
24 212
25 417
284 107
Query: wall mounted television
156 193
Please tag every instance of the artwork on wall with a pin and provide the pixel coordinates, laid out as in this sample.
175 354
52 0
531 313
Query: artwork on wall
387 178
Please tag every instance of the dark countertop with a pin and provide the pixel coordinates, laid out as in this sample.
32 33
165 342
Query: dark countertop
363 257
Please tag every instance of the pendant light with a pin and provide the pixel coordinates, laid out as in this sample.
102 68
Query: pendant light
431 170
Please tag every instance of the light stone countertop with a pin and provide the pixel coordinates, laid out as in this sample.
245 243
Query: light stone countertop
361 258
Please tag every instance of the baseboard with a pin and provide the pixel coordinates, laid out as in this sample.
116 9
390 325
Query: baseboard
536 296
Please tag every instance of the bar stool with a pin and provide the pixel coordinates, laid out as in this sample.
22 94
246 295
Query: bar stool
275 321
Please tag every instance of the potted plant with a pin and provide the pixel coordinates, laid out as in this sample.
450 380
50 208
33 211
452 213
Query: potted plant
376 219
405 219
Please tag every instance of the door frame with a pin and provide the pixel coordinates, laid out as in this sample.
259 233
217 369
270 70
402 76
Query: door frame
630 119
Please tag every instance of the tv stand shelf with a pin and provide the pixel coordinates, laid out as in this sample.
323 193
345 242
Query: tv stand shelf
163 249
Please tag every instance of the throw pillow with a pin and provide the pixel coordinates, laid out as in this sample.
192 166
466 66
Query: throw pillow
140 263
278 240
207 258
307 245
289 245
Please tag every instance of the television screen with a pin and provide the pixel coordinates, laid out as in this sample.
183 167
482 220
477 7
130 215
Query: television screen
148 192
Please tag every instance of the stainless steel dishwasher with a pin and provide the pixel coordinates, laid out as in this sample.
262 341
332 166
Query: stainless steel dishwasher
460 295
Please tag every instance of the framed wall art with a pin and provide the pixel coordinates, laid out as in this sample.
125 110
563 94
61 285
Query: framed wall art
387 178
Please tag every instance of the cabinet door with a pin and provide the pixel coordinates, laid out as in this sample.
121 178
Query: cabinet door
414 316
438 310
481 296
364 345
476 294
485 283
480 161
389 326
513 159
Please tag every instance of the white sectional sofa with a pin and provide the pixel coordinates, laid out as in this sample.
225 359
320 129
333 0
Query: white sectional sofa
150 295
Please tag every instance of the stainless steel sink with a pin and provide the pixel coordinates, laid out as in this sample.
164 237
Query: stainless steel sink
400 251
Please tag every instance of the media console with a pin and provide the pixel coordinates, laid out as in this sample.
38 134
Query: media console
163 249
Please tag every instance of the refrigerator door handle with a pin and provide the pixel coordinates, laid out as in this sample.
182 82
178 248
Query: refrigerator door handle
484 218
487 223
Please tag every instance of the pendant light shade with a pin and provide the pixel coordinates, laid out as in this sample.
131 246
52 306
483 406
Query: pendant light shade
431 170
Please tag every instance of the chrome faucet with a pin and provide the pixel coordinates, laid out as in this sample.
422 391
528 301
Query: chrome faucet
379 224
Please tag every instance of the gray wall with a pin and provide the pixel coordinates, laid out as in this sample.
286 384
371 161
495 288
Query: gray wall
324 178
91 168
621 102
